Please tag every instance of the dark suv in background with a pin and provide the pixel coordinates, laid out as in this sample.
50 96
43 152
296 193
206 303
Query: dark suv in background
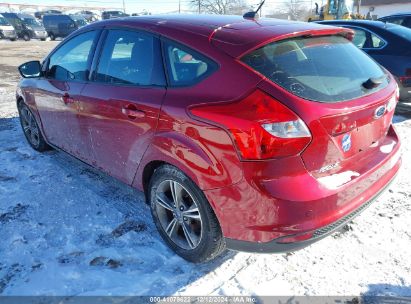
403 19
388 44
59 25
26 26
113 14
88 15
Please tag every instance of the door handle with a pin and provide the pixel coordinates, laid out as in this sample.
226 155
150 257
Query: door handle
67 99
132 112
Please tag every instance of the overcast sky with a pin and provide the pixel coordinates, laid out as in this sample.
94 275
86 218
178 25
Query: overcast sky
136 6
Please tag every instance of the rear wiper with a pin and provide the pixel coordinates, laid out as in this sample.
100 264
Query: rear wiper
373 82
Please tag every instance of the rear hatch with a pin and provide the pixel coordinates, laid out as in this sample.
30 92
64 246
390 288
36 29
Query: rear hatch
344 97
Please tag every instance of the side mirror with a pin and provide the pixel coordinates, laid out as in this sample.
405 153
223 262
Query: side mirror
31 69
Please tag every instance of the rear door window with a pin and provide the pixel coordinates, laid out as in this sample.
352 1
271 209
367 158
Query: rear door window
325 69
365 39
131 58
186 67
360 38
376 42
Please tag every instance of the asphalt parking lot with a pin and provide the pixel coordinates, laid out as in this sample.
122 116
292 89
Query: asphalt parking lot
67 229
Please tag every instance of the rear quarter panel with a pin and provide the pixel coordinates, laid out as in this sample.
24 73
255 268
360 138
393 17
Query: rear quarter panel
203 151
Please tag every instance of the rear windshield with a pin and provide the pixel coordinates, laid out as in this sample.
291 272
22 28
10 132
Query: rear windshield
326 69
31 21
79 20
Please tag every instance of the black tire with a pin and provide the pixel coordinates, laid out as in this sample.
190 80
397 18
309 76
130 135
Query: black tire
35 139
26 37
12 39
52 37
211 241
43 39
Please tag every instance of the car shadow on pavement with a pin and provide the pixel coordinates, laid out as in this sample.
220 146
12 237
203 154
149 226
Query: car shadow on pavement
68 229
401 116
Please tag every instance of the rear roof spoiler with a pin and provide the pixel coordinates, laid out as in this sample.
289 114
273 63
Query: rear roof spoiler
237 43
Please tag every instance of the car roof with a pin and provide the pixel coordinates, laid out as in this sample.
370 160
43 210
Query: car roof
396 15
234 34
28 16
56 16
372 23
5 14
369 24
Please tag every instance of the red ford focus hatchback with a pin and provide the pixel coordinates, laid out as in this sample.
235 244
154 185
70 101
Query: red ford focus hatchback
253 135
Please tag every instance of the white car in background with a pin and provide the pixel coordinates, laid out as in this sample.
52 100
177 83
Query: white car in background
7 30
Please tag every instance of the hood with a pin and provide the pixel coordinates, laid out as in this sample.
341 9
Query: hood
35 27
6 27
38 28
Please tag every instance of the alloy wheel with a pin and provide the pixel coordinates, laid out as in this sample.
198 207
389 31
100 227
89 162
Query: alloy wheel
178 214
29 125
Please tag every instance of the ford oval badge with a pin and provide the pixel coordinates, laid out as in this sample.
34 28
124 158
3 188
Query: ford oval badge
346 142
380 111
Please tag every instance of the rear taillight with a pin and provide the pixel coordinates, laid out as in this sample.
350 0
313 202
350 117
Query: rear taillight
261 126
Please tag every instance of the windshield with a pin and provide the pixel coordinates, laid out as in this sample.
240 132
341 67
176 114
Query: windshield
31 22
399 30
3 21
325 69
79 21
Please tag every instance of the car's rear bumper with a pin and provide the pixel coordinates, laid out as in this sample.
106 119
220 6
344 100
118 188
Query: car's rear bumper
8 34
291 209
40 34
279 246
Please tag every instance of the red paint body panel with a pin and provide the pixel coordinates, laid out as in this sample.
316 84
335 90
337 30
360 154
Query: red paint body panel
256 201
236 42
202 151
118 140
268 204
63 128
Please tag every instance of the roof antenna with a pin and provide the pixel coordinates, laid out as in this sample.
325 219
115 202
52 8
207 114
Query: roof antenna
254 15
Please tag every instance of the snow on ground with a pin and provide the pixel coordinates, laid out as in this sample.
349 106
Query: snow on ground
66 229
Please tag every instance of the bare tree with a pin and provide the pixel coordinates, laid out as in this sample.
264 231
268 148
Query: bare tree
220 7
296 9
